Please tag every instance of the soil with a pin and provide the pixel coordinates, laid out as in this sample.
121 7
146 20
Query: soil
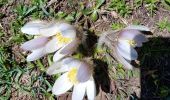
156 63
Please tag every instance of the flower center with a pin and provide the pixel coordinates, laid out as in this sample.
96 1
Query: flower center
72 75
61 39
132 43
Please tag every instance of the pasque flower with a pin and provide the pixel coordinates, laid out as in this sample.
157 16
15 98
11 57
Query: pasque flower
49 37
124 41
76 74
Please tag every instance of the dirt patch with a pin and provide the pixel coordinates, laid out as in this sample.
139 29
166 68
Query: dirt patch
125 86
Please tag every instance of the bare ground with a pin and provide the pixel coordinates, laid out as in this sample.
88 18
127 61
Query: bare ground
154 58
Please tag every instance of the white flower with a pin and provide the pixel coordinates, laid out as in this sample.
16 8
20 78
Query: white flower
77 74
50 37
125 42
128 39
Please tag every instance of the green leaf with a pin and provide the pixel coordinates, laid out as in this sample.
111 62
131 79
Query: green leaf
87 11
94 16
164 90
121 7
168 27
49 58
69 18
116 26
99 3
40 65
61 14
166 3
1 32
18 75
30 10
44 10
2 2
78 15
2 15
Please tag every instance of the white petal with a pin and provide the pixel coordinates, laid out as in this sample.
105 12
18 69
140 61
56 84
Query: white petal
133 35
67 30
75 63
65 26
84 72
58 56
125 63
62 85
138 27
55 68
71 47
141 38
138 44
33 27
52 45
50 30
69 33
71 62
127 51
68 60
91 89
60 66
79 91
34 43
36 54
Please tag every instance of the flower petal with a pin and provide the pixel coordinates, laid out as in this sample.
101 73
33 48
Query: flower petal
67 30
65 26
52 45
127 51
133 35
125 63
68 60
34 43
79 91
66 50
62 85
71 62
50 30
60 66
36 54
58 56
55 68
91 89
138 27
33 27
69 33
84 72
138 44
71 47
75 63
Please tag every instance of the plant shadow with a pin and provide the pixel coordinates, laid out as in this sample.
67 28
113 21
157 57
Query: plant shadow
101 76
88 43
101 72
155 69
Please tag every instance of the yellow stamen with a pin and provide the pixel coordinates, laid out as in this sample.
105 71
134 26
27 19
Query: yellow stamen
61 39
72 75
132 43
